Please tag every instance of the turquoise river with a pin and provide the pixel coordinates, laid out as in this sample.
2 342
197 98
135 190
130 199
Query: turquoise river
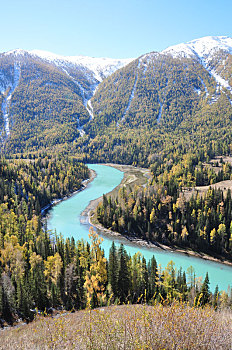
65 218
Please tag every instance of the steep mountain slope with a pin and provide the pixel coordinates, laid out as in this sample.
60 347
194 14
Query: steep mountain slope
44 97
166 87
161 103
154 89
48 100
213 53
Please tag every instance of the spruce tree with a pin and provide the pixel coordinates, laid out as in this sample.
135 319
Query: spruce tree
123 275
216 297
152 269
113 269
204 294
144 284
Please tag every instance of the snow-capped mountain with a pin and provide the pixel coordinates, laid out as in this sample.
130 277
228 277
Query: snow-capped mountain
206 50
85 72
203 48
69 96
167 86
100 67
92 70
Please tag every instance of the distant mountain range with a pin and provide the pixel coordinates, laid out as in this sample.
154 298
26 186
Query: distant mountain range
47 99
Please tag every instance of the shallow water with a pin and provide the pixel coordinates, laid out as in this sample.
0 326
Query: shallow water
65 218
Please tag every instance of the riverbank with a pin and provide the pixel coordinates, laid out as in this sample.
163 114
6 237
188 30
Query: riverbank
83 187
153 245
131 179
132 176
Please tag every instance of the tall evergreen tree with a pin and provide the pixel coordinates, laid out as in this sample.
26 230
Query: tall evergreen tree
204 295
113 269
123 274
152 273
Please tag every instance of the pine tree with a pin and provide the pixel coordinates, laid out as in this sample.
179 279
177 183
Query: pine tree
113 269
152 271
37 282
204 295
216 296
123 275
80 299
144 282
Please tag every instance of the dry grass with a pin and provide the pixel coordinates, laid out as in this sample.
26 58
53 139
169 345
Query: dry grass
201 190
225 159
222 185
216 164
127 327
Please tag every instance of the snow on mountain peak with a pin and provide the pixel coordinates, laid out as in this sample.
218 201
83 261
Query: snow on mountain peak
99 66
15 52
49 56
202 48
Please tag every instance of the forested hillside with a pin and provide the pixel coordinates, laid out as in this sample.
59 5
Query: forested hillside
165 90
161 106
44 100
39 270
126 110
203 129
170 112
46 107
25 188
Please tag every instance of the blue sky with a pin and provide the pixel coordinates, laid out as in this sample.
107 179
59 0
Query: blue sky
109 28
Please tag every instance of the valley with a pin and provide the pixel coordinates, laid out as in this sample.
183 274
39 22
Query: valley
162 124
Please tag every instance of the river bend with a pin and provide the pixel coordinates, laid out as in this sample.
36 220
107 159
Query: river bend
65 218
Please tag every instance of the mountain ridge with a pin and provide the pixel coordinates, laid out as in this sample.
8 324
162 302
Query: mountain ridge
204 43
97 65
81 95
202 46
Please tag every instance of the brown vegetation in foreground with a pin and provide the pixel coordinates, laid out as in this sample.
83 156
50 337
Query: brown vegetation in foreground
127 327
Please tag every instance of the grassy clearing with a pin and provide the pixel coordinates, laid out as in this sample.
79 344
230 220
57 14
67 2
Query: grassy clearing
129 327
201 190
216 165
